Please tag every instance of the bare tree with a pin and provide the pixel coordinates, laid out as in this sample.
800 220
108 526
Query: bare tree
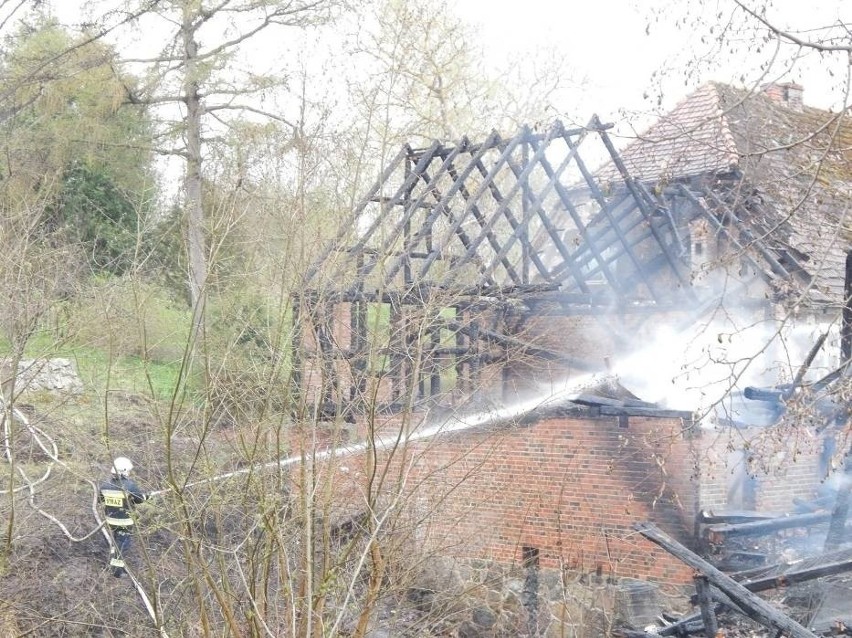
35 274
197 81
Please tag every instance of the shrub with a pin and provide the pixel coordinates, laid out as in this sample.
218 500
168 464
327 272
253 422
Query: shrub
124 318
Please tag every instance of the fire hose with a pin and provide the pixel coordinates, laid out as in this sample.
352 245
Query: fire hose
52 453
448 425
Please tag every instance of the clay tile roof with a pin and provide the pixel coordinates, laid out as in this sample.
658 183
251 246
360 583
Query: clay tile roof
796 162
693 139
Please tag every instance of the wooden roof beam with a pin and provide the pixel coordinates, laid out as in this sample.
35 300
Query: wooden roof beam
403 190
568 204
643 205
510 218
537 206
472 202
437 208
492 239
502 206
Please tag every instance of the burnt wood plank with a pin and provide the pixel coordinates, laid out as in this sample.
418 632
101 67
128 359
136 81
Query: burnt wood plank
772 577
754 607
705 602
717 533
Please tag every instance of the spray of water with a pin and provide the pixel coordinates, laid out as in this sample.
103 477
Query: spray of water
687 370
452 424
699 368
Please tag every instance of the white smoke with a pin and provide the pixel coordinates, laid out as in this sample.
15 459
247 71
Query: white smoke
698 369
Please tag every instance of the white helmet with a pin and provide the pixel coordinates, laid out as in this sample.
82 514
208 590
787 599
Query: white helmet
122 466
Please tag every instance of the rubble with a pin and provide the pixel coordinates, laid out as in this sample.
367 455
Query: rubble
811 596
56 375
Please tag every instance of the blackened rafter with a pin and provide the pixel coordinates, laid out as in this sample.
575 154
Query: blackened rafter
503 210
725 220
400 197
536 204
471 203
505 213
441 205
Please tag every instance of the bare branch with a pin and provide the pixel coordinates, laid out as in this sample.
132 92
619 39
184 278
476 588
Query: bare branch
250 109
790 37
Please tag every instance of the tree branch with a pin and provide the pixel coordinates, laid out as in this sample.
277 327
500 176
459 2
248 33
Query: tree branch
790 37
251 109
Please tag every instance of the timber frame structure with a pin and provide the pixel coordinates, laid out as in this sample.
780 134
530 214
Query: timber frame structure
456 248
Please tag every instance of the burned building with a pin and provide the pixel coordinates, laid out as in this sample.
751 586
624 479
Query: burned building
483 274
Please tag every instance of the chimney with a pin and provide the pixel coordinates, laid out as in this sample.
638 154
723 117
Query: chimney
787 93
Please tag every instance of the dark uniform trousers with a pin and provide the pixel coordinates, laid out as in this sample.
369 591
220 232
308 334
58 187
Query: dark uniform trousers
119 495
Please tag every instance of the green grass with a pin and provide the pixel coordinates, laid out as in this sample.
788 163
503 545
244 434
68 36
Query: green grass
99 371
129 373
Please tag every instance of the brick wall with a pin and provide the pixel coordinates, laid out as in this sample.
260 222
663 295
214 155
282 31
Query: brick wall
571 488
761 469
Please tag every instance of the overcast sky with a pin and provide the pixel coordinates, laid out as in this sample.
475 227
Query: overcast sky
617 45
640 56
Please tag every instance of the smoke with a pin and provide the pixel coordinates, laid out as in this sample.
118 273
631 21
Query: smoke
706 367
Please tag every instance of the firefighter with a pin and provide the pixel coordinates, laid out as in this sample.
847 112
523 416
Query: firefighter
119 494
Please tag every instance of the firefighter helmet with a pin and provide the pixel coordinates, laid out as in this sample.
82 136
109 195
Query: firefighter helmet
122 466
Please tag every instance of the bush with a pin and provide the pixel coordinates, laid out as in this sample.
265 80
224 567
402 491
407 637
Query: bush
248 345
125 318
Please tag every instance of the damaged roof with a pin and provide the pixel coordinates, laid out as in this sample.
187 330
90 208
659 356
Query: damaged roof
477 237
525 216
788 163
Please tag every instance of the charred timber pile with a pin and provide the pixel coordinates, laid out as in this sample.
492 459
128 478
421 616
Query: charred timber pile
736 594
718 533
717 592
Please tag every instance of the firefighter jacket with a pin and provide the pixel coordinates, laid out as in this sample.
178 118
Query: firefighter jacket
119 495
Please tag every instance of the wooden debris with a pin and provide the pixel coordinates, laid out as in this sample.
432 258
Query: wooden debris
754 607
717 534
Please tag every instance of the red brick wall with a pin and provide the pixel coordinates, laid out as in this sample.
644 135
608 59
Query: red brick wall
570 487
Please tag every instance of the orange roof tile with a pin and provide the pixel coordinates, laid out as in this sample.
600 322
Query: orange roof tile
796 161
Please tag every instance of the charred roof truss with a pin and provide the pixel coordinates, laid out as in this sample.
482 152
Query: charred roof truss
519 216
523 226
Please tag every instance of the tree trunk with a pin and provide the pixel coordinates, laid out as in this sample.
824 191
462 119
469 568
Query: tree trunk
192 179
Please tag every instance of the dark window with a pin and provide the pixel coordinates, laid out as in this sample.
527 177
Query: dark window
529 556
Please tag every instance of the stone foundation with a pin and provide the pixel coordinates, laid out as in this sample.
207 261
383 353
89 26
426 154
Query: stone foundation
487 600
